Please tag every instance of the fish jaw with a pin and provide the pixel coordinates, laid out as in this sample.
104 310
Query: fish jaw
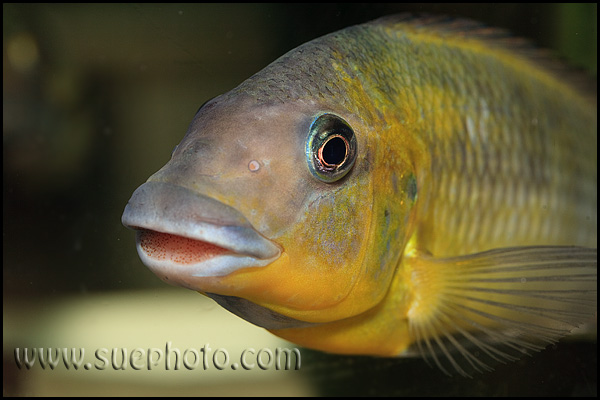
185 237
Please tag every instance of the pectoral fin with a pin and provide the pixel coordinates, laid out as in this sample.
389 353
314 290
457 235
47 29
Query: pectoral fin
473 311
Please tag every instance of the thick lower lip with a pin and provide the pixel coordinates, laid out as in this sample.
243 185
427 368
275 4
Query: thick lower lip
178 249
183 234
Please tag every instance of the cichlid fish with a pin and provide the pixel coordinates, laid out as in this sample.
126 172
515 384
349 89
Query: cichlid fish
400 186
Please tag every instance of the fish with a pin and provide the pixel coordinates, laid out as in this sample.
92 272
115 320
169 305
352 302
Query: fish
403 187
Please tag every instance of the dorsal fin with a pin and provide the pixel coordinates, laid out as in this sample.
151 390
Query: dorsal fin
497 38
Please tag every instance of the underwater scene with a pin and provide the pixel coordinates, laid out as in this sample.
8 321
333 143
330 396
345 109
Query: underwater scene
98 98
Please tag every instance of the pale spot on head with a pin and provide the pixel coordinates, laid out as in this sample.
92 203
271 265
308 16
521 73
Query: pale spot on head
253 166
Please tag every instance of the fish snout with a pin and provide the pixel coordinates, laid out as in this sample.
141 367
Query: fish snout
183 235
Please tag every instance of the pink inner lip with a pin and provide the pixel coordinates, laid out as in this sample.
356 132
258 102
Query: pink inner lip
178 249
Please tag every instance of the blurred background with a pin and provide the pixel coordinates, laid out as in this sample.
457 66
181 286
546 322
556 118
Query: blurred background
95 97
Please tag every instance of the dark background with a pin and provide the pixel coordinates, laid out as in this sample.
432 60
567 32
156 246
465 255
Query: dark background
95 97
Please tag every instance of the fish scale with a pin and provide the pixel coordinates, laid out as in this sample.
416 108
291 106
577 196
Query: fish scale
536 168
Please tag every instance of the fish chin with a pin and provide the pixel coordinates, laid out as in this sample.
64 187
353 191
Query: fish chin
184 236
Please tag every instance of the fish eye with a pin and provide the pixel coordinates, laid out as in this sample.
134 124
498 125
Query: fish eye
330 148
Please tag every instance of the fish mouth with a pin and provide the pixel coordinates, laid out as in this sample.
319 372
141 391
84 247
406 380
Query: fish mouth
182 235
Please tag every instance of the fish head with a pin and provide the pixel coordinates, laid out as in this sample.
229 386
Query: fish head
269 207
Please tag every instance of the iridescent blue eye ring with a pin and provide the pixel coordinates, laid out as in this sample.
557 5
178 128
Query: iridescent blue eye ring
330 148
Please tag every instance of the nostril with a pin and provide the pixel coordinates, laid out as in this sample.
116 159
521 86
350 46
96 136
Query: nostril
253 166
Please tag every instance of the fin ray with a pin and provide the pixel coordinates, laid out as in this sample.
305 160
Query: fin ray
474 311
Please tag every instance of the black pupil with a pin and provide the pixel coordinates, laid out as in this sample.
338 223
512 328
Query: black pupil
334 151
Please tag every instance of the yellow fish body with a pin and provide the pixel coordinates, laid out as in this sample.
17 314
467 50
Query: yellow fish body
392 186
